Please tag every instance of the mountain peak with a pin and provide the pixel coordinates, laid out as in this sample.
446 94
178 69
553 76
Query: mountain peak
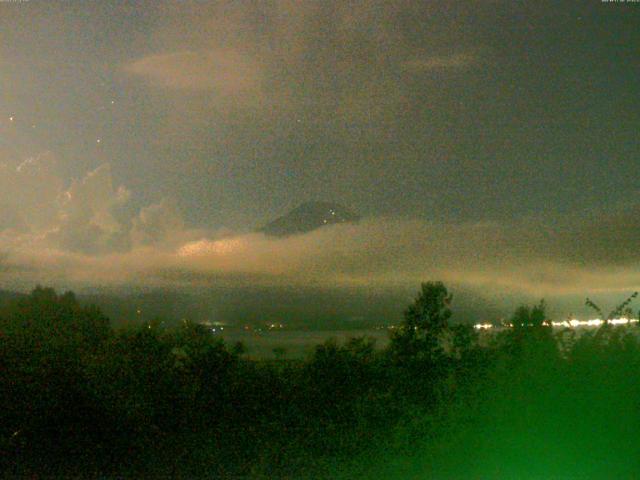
307 217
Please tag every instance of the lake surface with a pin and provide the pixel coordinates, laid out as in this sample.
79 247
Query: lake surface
296 343
301 343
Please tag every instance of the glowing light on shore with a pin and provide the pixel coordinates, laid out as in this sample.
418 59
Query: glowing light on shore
623 321
573 323
483 326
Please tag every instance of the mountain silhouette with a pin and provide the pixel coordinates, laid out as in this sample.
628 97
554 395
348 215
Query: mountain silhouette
308 217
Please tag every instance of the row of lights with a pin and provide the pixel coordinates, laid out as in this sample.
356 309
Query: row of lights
573 323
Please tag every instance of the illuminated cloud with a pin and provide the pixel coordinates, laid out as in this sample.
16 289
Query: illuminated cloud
226 71
90 216
204 247
86 221
157 223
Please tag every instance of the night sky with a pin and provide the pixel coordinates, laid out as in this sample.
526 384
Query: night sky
493 145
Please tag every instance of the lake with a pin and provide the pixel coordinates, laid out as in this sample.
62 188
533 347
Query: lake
296 343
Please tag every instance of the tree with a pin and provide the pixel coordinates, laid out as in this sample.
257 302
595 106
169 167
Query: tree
531 335
44 316
464 339
525 316
620 310
47 339
430 310
279 352
425 321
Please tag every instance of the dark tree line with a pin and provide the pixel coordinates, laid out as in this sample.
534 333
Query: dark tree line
83 400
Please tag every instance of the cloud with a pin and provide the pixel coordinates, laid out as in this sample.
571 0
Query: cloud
90 235
90 216
603 238
157 223
225 71
374 253
29 193
86 222
299 63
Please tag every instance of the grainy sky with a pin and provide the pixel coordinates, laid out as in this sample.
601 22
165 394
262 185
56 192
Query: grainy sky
489 143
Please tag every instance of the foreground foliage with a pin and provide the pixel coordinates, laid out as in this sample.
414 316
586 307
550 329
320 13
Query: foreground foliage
82 400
